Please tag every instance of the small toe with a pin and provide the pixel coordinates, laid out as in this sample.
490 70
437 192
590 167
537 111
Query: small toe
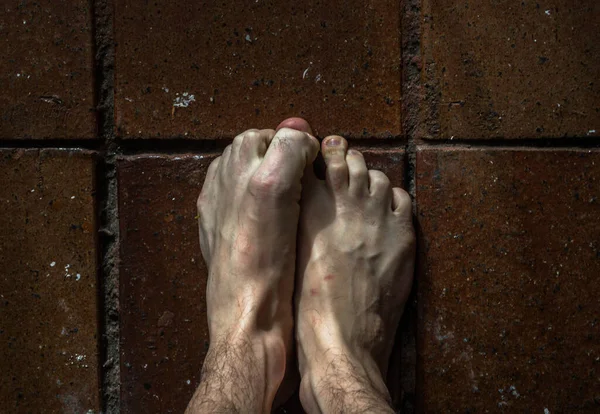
401 203
208 186
358 182
226 157
252 143
379 185
334 150
211 172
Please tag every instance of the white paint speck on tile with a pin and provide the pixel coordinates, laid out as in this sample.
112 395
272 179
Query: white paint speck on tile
184 100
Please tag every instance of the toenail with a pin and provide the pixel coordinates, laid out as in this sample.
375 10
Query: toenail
333 142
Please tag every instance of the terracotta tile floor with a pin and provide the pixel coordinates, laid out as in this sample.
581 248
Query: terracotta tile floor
486 112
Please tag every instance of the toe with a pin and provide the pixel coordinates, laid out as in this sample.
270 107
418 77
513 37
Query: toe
334 150
401 203
226 158
236 145
379 185
357 172
298 124
252 143
285 162
211 172
208 186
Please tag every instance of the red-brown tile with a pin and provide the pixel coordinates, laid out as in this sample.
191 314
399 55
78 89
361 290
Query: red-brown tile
164 333
48 283
46 70
390 161
521 69
231 64
508 281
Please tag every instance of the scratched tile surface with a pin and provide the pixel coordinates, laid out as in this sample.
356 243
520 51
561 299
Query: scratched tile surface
46 72
48 283
508 280
210 69
511 69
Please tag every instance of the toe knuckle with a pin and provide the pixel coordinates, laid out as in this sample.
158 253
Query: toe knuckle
337 168
402 194
293 135
404 201
201 202
355 153
261 185
268 132
252 135
379 177
237 141
215 163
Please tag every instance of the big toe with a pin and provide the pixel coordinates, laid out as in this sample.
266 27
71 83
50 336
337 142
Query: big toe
287 157
334 150
298 124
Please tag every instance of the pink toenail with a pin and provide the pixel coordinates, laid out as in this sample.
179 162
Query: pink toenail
333 142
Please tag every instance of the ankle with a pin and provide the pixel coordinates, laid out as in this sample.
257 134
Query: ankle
343 381
263 356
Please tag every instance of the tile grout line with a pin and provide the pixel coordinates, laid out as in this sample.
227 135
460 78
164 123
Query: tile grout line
180 146
109 357
411 84
409 116
574 143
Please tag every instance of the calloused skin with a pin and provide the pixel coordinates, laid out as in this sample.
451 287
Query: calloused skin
353 235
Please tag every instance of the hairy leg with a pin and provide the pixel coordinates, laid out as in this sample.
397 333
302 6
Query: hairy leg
354 272
248 216
232 380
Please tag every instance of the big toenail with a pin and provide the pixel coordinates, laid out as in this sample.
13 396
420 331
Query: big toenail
333 142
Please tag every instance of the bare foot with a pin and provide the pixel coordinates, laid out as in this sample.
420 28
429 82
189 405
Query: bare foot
356 250
248 217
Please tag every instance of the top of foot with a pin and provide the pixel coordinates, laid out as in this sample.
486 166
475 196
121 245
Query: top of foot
355 263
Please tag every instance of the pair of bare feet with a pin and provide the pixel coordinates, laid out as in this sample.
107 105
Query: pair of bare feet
269 230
